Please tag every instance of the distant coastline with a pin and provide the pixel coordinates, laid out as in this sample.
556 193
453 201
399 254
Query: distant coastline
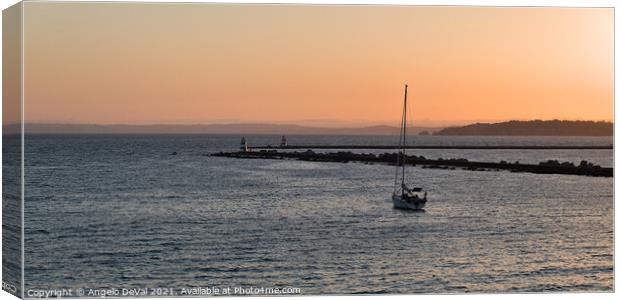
234 128
532 128
510 128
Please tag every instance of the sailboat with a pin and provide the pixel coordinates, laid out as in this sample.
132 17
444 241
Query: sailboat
404 197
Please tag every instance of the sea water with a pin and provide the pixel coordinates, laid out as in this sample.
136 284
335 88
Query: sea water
132 212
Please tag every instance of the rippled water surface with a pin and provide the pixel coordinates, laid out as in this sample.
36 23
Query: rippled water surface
123 212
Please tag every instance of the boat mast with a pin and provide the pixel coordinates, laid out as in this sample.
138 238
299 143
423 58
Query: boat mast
404 136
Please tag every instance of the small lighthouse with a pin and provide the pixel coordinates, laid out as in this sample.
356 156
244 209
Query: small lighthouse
283 142
244 145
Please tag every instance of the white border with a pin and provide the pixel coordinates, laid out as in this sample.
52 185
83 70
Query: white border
574 3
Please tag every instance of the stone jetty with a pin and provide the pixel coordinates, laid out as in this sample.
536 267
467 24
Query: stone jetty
548 167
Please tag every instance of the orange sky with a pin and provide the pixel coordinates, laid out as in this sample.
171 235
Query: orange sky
202 63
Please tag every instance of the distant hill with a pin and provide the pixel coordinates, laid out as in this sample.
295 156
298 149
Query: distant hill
284 129
533 128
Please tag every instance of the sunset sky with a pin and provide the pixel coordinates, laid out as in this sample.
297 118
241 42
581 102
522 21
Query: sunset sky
201 63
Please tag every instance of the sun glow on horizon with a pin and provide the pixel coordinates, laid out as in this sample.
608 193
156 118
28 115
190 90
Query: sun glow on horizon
131 63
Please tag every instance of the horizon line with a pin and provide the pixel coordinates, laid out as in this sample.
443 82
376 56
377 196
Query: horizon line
295 123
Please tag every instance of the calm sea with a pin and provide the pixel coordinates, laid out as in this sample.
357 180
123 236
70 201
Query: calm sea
122 211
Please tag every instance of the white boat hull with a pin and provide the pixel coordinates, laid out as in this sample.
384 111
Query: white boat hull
411 205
